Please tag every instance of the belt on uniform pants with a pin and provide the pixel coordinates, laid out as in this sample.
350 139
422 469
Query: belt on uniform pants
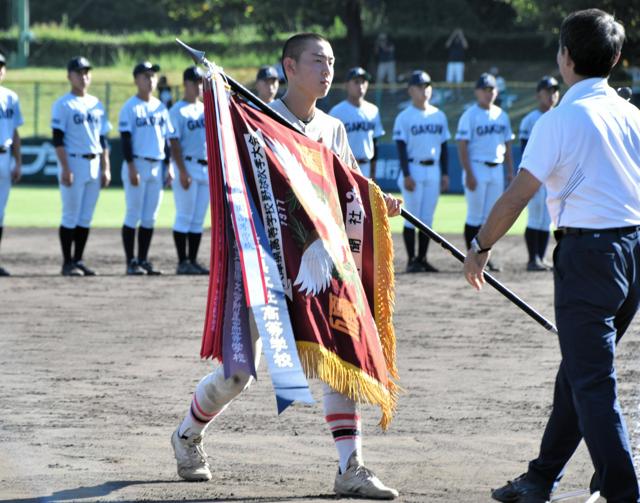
84 156
150 159
3 150
423 162
566 231
490 164
203 162
363 161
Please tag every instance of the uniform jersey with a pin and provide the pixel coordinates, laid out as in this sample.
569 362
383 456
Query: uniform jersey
83 120
10 116
487 131
187 120
423 131
322 128
362 124
526 126
149 125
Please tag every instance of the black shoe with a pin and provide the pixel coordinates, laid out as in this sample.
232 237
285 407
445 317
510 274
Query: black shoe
85 270
200 269
4 272
426 266
413 266
185 267
70 269
148 267
493 267
133 268
536 266
521 490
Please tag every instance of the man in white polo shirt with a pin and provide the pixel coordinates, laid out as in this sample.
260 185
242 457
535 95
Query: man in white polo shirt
586 153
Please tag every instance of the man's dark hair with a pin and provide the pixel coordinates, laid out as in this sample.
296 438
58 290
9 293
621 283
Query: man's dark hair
295 46
594 40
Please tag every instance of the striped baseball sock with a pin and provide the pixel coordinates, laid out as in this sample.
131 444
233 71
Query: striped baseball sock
343 419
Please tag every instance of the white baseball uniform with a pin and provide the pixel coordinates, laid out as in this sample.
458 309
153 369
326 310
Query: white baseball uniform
187 120
10 120
423 131
83 120
487 133
363 126
150 127
538 215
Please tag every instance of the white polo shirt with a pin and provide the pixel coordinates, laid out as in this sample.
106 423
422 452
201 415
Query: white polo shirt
587 153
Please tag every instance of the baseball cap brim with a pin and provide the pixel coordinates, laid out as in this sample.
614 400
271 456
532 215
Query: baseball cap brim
145 67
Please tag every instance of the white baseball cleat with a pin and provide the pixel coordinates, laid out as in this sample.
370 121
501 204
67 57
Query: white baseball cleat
360 482
192 460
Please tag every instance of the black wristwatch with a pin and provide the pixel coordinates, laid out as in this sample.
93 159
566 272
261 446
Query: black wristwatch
477 248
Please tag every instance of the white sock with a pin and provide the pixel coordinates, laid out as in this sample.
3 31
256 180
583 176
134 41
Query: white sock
343 418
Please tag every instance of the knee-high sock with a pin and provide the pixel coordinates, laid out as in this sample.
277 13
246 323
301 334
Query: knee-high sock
66 240
343 419
543 242
144 242
1 229
531 239
80 237
128 241
212 395
470 232
194 245
409 236
423 245
180 239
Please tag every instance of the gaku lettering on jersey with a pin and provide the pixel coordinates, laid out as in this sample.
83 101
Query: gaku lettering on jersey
426 129
80 118
195 124
491 129
150 121
6 114
353 127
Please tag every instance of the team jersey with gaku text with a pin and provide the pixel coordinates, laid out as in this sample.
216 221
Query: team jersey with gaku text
10 116
187 120
83 120
149 125
487 132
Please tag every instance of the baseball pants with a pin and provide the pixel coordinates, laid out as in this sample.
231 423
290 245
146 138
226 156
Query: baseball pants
490 185
386 71
79 200
538 218
422 200
455 72
5 182
143 201
192 203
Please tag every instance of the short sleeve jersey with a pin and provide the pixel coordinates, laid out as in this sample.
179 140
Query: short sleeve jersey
187 120
362 124
487 132
423 131
10 116
526 126
83 120
322 128
587 153
149 125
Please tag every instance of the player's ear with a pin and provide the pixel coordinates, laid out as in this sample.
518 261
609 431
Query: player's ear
289 65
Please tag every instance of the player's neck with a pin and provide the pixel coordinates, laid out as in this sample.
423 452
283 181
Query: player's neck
303 107
190 99
356 101
420 105
485 106
144 96
78 92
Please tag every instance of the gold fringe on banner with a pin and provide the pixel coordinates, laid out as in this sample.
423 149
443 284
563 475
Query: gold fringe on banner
345 378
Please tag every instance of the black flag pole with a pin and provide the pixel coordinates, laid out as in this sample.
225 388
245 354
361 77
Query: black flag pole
199 58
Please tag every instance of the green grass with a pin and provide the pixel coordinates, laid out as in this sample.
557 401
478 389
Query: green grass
31 206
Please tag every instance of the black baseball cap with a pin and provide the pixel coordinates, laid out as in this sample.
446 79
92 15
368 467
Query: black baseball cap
358 72
145 66
2 60
193 73
78 63
267 72
486 80
419 78
547 82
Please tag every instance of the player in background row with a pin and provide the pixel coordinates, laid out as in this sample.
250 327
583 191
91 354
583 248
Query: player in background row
421 132
144 129
80 126
10 121
484 143
536 235
267 83
361 120
191 186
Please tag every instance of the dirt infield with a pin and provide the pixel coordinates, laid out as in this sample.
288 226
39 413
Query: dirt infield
97 372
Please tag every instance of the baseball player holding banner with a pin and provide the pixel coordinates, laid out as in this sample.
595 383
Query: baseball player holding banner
145 128
80 126
10 160
421 132
484 143
361 120
191 187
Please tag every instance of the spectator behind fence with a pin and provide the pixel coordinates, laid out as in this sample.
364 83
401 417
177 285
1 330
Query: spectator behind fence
385 54
457 45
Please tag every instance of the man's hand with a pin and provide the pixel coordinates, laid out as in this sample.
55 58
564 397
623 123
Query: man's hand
168 176
393 205
66 177
470 182
474 265
444 183
105 178
409 183
16 174
185 179
134 177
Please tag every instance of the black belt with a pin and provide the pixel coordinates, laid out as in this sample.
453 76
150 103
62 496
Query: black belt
203 162
84 156
423 162
363 161
491 164
150 159
3 150
566 231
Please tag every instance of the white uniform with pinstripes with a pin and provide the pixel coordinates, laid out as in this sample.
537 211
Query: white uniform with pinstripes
10 120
